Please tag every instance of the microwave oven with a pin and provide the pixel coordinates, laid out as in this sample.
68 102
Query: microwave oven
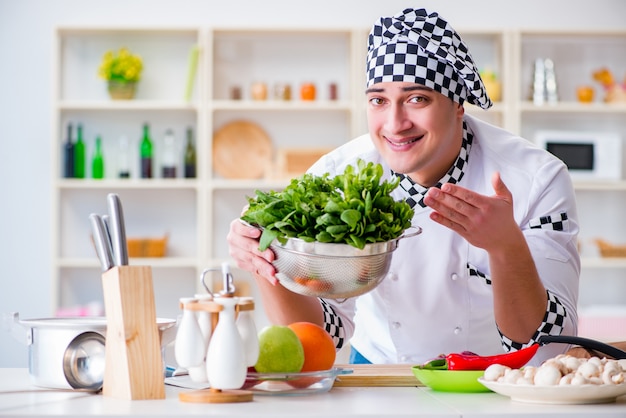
588 155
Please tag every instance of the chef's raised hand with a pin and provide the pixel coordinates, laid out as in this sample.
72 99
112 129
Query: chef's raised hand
243 247
484 221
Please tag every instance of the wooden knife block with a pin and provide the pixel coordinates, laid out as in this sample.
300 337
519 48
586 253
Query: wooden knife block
133 362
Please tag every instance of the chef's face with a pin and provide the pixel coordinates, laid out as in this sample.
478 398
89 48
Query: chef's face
417 130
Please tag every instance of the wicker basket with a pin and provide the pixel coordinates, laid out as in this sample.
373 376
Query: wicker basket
147 247
609 250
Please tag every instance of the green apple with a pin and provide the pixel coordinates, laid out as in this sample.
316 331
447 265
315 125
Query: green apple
280 350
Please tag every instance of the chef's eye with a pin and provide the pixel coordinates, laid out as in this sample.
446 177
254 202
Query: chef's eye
376 101
418 99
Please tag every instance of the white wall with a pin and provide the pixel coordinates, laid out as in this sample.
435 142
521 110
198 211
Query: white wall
26 29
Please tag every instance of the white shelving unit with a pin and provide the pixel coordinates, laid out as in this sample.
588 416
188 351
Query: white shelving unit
196 212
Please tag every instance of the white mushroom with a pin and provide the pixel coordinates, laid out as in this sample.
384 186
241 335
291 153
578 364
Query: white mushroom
578 380
529 372
512 375
618 378
566 380
547 375
571 363
495 372
589 369
554 362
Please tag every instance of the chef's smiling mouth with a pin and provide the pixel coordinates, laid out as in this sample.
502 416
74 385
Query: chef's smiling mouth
404 141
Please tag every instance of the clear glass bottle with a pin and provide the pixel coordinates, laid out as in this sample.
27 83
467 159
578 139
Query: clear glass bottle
145 151
123 158
190 156
169 156
79 154
97 163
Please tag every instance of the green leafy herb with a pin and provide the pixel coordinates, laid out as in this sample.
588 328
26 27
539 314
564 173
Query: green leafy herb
354 208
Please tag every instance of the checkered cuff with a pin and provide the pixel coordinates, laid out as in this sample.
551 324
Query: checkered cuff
333 324
552 324
556 222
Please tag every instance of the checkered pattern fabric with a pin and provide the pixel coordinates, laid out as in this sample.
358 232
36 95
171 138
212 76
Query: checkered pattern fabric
552 324
474 272
420 47
556 222
332 324
416 192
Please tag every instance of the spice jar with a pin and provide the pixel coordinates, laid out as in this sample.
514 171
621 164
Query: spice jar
235 93
332 91
307 91
259 91
282 91
585 94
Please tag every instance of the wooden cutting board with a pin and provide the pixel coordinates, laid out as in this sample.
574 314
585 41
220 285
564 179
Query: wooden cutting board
377 375
241 150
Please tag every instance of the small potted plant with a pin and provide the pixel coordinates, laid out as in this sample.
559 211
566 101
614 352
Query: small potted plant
122 72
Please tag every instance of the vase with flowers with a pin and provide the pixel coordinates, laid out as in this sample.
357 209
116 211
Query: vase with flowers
122 70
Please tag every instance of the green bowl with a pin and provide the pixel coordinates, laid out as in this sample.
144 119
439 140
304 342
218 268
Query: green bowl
451 380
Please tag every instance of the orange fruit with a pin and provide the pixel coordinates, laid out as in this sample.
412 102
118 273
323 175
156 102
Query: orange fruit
319 348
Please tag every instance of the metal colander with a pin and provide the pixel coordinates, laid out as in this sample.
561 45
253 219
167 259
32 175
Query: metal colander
333 270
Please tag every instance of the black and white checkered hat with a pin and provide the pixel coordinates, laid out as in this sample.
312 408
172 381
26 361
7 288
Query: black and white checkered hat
420 47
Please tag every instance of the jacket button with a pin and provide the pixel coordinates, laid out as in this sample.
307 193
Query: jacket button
458 330
454 276
395 325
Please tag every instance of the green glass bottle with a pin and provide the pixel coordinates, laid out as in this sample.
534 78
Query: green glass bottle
79 154
97 163
145 151
190 156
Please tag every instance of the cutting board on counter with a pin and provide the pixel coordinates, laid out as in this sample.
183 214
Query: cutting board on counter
377 375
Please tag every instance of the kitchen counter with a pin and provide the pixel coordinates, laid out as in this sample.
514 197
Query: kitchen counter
19 398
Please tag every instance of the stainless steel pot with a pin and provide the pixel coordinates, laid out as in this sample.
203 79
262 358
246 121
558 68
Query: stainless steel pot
68 353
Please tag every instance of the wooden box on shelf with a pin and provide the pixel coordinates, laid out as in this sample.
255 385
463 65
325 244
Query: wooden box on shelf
293 162
609 250
147 247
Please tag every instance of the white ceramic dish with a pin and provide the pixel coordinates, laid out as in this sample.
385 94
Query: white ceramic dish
584 394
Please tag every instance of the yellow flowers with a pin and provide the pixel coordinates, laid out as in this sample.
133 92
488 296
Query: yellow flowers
124 66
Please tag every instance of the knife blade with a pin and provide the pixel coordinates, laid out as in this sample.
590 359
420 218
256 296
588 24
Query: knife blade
117 230
101 241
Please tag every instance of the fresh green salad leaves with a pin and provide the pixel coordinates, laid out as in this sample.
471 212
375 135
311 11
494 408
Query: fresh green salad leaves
353 208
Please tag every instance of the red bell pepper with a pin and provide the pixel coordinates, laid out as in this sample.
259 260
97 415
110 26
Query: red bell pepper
471 361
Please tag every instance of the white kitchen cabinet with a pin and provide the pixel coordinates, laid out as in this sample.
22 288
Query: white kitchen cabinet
153 207
195 213
576 55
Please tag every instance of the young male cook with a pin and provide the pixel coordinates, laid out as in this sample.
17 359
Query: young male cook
496 265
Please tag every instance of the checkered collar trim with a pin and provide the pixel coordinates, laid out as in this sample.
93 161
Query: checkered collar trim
416 192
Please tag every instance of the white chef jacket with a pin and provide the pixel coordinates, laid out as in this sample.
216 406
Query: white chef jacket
429 303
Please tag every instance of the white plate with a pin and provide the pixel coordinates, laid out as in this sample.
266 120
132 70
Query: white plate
583 394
